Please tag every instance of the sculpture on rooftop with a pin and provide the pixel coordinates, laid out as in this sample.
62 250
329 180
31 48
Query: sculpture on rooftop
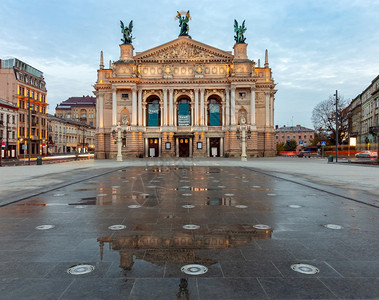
184 18
239 30
127 33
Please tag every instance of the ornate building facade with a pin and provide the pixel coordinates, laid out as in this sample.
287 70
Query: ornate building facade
184 99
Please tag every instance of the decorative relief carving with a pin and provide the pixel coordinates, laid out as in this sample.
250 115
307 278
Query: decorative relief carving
107 100
199 71
218 92
183 52
147 93
167 71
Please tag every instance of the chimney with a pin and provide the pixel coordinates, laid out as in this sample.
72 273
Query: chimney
298 125
276 126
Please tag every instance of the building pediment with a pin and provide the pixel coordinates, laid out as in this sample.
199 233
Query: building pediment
183 49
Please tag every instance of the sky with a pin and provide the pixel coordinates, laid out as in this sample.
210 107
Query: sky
314 47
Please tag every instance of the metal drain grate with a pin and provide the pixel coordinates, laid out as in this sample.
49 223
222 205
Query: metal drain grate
194 269
305 269
45 227
188 206
261 226
80 269
191 227
333 226
117 227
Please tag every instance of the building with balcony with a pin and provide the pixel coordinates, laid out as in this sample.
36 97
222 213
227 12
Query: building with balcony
8 130
302 135
364 120
80 109
68 136
185 99
24 87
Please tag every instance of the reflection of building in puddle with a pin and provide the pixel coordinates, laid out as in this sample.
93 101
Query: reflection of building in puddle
225 201
179 247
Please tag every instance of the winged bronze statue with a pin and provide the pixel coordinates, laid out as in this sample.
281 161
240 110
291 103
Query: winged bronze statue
127 33
184 18
239 30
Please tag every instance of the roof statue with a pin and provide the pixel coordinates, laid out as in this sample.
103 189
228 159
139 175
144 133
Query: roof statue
239 30
127 33
184 18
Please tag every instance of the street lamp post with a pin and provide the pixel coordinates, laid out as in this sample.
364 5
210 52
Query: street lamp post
243 128
119 143
29 148
83 140
7 139
336 94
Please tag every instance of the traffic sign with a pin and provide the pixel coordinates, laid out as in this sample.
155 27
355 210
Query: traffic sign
323 144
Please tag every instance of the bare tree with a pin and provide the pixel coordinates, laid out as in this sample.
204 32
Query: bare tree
324 119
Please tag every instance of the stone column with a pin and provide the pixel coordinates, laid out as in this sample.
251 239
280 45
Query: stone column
143 114
196 107
146 147
162 114
272 111
140 122
267 108
221 147
100 111
165 115
159 147
233 106
171 106
205 113
134 107
202 123
114 107
227 107
192 114
175 116
222 107
252 106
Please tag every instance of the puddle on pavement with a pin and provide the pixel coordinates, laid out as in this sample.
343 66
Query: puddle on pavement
86 201
178 247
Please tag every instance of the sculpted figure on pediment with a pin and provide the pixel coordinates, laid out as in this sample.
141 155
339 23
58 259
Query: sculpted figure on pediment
183 52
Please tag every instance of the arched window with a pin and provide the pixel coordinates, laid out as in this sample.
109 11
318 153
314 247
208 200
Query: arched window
153 111
184 112
214 111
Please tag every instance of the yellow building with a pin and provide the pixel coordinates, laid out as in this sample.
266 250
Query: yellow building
24 86
184 99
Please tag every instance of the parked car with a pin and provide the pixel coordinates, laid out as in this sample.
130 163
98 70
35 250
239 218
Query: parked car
366 154
304 154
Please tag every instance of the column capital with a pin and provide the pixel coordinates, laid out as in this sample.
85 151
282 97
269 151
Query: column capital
233 88
165 89
196 89
202 90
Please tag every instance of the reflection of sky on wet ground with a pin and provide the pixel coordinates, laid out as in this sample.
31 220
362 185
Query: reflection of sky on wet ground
223 206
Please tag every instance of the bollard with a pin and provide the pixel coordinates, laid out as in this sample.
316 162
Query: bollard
330 158
39 161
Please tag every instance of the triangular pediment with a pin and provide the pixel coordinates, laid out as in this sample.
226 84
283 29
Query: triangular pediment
183 49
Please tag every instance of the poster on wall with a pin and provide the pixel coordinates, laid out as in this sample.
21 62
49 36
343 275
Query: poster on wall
152 152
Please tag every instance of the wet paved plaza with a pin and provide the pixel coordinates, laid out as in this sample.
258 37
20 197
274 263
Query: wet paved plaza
188 233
